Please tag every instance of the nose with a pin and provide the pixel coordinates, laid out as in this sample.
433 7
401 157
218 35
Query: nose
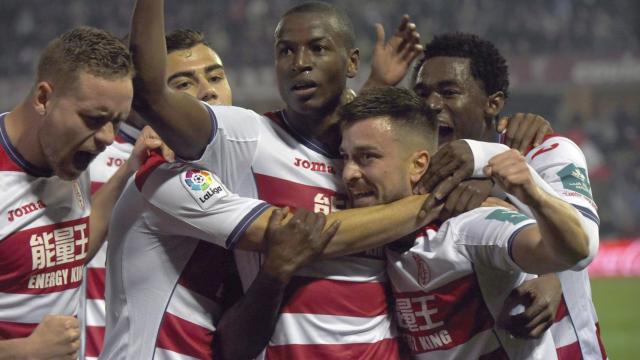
206 92
351 172
106 134
434 102
301 60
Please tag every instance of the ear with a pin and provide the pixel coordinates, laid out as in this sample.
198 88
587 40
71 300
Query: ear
418 166
494 105
41 97
353 63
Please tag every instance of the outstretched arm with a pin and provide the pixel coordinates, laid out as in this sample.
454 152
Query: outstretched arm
360 229
181 120
246 327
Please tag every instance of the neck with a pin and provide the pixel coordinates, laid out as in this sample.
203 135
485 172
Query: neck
22 125
323 128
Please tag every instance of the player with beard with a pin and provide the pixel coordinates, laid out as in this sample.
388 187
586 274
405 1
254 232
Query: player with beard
193 67
450 281
335 308
83 90
464 80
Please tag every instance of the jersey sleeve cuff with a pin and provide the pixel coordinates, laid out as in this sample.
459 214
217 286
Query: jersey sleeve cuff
482 153
244 224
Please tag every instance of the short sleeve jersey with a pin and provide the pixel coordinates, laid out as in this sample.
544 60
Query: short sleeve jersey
335 308
451 283
44 239
166 258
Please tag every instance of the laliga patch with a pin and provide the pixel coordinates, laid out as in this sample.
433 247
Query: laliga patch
203 187
507 216
575 179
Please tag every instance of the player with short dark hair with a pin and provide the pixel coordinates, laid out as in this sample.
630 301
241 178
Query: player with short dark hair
463 80
449 281
82 92
289 158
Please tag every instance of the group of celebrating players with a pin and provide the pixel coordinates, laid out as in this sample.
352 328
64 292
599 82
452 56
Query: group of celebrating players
395 223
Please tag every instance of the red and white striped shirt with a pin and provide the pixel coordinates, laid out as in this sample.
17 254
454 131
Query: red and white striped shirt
44 239
92 309
164 284
562 167
335 308
450 285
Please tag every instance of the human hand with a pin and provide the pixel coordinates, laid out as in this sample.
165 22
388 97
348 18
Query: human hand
392 59
541 298
295 243
523 131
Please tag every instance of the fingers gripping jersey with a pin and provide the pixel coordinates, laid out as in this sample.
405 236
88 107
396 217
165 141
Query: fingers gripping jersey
335 308
561 164
44 238
92 311
164 284
449 287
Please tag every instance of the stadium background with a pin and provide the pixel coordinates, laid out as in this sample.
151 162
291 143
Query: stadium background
575 62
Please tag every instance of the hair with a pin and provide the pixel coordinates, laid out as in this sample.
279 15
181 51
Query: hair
345 27
405 109
182 39
486 62
84 49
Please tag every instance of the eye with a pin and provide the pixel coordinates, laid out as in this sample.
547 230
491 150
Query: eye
215 79
182 85
93 122
450 92
284 51
318 48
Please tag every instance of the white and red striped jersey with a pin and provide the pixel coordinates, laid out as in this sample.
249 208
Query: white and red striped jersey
164 285
562 165
334 308
44 239
92 311
450 286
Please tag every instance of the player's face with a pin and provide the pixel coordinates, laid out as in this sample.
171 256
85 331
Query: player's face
376 165
456 98
80 123
198 71
312 64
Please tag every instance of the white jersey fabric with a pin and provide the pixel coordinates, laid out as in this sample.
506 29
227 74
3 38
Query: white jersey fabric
164 285
450 286
44 239
562 165
334 308
92 309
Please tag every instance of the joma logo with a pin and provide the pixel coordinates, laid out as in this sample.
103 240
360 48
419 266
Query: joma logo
25 210
314 166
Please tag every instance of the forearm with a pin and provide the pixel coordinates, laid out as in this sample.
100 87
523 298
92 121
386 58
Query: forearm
14 349
562 235
360 229
102 203
246 327
180 120
371 227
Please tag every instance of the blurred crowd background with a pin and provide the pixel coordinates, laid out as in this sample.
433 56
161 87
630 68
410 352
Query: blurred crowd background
575 62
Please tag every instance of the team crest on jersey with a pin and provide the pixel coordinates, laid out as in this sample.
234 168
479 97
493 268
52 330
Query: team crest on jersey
202 186
507 216
575 179
422 270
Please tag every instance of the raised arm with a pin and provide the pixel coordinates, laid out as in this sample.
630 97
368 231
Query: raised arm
559 241
181 120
